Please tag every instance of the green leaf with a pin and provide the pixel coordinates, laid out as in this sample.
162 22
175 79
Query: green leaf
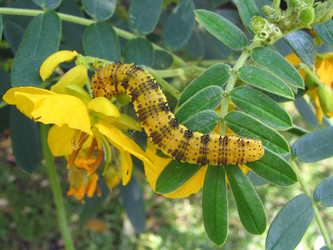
314 146
255 179
139 51
15 26
261 107
162 59
216 75
25 141
194 46
222 29
72 33
175 175
297 131
324 192
1 27
93 204
215 205
250 208
290 224
40 40
279 66
47 4
302 44
179 26
204 121
323 11
13 33
206 99
144 15
325 32
100 40
213 47
306 111
274 168
100 10
247 10
263 79
249 127
134 204
4 111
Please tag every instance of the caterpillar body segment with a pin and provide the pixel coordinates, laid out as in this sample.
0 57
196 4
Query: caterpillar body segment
162 127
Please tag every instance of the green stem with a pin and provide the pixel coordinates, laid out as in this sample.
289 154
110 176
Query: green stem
317 214
56 190
171 89
3 104
276 4
83 21
312 75
232 80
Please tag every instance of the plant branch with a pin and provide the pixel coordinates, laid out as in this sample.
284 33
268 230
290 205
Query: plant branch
84 21
56 190
232 80
307 191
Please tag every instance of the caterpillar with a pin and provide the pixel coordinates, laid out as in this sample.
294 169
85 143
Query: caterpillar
163 128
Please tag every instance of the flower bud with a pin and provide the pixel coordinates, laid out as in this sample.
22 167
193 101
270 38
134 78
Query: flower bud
268 10
310 82
258 23
294 3
326 99
306 16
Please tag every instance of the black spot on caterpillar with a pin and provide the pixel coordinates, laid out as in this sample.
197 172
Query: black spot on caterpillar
161 125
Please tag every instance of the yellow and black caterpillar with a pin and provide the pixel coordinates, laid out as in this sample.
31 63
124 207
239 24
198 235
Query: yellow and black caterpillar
161 125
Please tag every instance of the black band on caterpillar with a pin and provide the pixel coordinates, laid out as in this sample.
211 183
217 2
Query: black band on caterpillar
161 125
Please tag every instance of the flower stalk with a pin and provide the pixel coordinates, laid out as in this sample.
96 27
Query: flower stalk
56 190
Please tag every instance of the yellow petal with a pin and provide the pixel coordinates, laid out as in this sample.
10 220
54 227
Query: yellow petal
50 108
152 172
52 62
121 141
127 122
126 166
78 92
104 109
60 140
192 186
293 59
112 177
325 72
77 76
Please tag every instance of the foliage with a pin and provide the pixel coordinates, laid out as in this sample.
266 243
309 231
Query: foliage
229 73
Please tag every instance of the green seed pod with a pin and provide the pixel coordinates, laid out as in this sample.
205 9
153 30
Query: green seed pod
306 16
258 23
326 100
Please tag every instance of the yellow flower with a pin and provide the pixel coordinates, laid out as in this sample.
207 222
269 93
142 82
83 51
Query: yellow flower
321 94
80 124
81 182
